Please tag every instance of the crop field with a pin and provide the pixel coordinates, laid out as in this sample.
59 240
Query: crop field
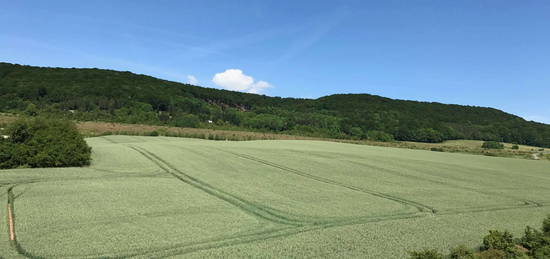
158 197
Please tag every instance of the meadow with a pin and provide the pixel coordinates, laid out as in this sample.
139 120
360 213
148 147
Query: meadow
157 197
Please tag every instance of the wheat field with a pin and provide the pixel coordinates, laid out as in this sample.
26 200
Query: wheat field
158 197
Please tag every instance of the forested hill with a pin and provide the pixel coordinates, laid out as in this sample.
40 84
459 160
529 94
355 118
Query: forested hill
106 95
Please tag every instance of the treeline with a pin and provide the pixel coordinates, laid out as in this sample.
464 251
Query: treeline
106 95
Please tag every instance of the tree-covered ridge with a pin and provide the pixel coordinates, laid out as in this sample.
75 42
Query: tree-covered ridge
96 94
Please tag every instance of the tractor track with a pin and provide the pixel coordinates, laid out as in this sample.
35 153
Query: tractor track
526 203
217 242
12 227
244 205
428 177
289 226
441 182
253 208
420 206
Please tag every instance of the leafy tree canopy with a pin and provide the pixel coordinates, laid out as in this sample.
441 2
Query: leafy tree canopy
96 94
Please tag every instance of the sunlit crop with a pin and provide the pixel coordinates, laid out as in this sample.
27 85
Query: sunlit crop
150 197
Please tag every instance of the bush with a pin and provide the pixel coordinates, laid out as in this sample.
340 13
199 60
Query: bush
542 252
532 238
187 121
437 149
461 252
426 254
516 147
153 133
546 226
427 135
492 145
498 240
501 245
377 135
492 254
356 133
40 142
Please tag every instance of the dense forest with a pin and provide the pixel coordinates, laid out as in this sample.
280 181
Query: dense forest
106 95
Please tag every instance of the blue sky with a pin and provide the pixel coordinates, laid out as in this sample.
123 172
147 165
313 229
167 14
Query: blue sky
478 52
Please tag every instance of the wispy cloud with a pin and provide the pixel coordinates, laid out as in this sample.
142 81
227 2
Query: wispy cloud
314 32
192 80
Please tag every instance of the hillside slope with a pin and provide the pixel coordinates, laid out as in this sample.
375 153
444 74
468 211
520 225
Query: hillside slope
96 94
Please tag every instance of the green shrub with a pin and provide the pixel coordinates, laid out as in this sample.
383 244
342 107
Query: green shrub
31 110
501 245
427 135
542 252
461 252
377 135
492 254
153 133
503 241
532 239
492 145
41 142
515 147
498 240
426 254
546 226
437 149
356 133
187 121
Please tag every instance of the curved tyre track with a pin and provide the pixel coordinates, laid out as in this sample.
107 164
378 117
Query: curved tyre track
292 227
444 183
244 205
420 206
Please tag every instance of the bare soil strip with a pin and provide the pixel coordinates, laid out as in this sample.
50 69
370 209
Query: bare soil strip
10 223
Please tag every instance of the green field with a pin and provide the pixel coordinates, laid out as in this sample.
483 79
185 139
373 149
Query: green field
152 197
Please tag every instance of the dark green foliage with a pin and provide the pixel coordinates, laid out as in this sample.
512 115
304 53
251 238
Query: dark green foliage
94 94
426 254
461 252
532 239
516 147
187 121
502 245
31 110
427 135
377 135
498 240
546 226
40 142
492 145
356 133
493 254
542 252
264 121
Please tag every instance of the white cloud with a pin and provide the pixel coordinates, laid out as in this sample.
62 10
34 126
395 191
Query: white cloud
192 80
236 80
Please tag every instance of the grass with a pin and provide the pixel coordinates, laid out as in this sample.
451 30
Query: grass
146 197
